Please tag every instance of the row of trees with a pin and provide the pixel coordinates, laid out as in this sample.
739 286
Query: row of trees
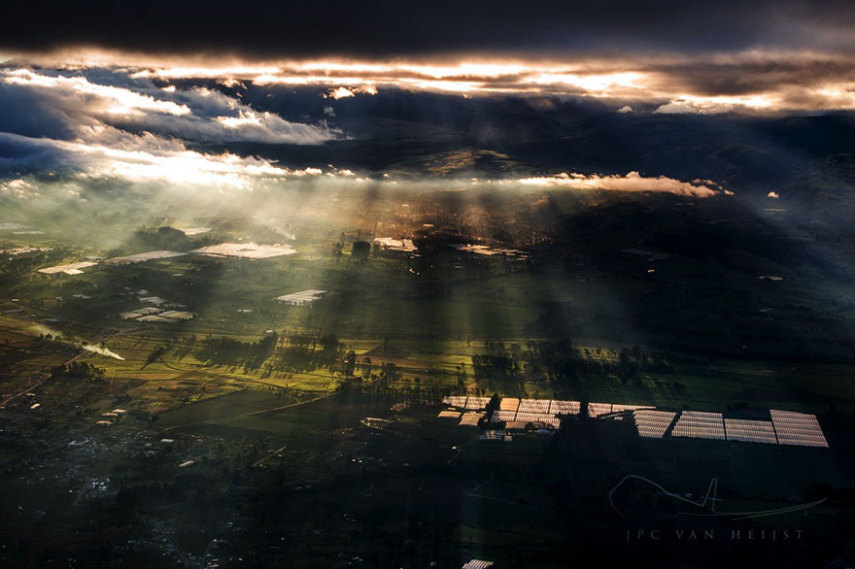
295 353
559 360
78 371
228 351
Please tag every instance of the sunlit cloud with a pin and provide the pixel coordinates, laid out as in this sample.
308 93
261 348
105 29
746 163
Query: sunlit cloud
234 71
631 182
596 84
339 93
753 81
689 104
141 159
20 188
104 98
345 93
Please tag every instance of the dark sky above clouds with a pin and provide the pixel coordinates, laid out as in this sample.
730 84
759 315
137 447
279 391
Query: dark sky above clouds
378 28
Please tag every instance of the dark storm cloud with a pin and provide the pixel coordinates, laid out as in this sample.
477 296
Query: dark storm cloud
744 77
24 154
394 27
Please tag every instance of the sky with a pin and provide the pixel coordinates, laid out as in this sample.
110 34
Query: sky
389 28
167 90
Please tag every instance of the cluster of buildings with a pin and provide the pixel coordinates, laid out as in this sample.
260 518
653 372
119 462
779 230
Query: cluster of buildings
302 298
772 427
109 418
161 311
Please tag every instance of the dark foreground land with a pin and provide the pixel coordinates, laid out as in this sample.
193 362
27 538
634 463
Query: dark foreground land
259 434
275 483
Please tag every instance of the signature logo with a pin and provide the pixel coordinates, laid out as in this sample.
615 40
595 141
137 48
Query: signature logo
704 508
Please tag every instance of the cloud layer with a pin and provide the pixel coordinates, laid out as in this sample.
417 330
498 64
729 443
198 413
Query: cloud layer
81 104
148 159
631 182
755 81
117 155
